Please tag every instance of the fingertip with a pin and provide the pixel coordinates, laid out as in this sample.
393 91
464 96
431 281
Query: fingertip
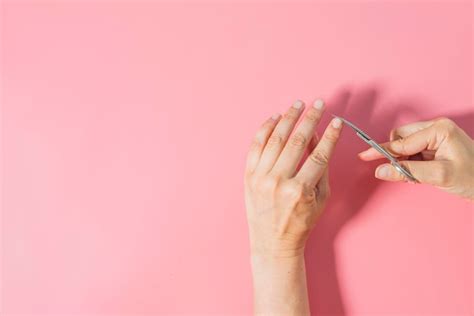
336 123
318 104
363 155
393 135
298 104
387 172
369 155
276 116
382 172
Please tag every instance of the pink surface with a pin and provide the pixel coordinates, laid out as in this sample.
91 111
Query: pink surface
125 128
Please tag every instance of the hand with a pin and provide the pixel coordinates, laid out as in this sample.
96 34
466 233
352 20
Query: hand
445 150
283 202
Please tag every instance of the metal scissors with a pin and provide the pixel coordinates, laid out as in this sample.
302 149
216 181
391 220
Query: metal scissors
393 161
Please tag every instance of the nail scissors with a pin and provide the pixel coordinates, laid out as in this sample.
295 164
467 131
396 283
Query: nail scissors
393 161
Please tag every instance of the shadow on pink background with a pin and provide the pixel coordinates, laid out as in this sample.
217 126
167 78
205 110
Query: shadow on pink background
124 132
352 193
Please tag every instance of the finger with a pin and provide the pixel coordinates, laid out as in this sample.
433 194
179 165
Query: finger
316 163
430 172
410 145
395 134
259 142
408 129
279 137
312 144
372 154
294 149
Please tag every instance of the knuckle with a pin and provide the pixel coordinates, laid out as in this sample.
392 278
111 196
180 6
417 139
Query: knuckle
443 120
291 114
298 140
394 134
400 145
275 139
262 130
251 181
312 116
331 137
269 123
260 136
249 178
262 133
308 193
319 158
256 144
265 126
274 177
447 124
265 185
295 191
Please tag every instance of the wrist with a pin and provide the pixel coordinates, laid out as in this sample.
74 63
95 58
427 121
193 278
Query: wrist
267 257
276 248
271 254
275 261
275 271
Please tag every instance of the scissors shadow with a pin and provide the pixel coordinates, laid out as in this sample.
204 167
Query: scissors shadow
355 184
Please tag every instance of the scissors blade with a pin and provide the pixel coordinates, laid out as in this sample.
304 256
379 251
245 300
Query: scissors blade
359 132
366 138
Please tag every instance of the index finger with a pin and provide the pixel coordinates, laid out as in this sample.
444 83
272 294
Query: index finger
408 129
411 145
317 162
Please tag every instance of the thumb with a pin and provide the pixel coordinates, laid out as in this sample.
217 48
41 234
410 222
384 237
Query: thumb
430 172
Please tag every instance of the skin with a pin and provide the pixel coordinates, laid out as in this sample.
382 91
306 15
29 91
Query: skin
436 152
283 200
283 203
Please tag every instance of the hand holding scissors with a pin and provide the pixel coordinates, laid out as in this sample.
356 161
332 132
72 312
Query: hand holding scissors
444 151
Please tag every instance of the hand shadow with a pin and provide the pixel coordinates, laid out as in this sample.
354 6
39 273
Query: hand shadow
352 186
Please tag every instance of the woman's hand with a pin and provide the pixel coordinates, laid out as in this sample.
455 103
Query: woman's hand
445 150
283 203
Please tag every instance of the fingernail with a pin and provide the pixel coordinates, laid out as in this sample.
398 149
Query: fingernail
363 153
318 104
276 116
298 104
383 172
336 123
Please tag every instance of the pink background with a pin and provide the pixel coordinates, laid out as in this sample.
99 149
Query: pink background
125 128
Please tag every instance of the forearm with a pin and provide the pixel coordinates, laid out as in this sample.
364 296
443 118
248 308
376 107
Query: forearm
279 285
